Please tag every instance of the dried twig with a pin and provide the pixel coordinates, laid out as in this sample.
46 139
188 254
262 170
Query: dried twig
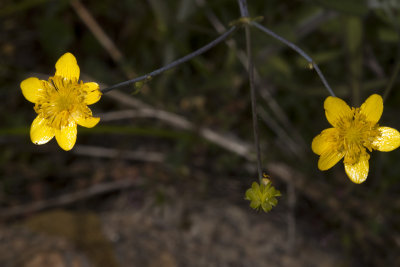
66 199
105 41
225 141
97 31
102 152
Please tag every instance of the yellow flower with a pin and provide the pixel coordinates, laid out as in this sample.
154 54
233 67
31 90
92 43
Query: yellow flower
61 103
354 131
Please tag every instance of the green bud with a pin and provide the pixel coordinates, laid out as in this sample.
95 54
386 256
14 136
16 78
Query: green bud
262 196
139 85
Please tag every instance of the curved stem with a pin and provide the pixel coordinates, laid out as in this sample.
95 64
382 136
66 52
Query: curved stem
299 51
174 63
393 78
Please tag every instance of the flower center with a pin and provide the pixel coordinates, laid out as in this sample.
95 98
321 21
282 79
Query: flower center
60 99
352 135
356 134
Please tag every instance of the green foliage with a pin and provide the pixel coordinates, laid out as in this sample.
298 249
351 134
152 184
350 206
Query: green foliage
55 35
353 7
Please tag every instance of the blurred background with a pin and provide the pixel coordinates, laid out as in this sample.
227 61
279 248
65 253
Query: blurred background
161 180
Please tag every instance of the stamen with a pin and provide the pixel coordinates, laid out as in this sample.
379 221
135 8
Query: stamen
356 134
60 100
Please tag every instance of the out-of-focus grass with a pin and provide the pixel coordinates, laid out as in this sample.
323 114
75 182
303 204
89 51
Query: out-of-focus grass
356 49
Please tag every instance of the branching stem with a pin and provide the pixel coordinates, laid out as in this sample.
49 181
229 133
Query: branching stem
174 63
244 14
299 51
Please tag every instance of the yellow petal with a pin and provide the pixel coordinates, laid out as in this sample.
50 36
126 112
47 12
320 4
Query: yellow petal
87 122
324 141
66 137
67 67
40 132
328 159
372 108
32 89
358 172
389 139
93 93
84 117
336 110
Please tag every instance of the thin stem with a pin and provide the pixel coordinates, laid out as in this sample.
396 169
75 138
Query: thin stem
299 51
322 77
392 80
253 101
396 70
174 63
245 13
